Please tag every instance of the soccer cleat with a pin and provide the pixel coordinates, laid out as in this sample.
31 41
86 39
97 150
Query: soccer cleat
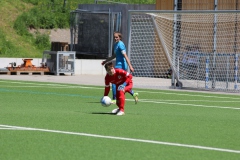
135 96
120 113
115 110
113 101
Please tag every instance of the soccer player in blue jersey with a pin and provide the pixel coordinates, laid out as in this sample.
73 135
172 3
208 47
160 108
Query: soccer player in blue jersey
122 62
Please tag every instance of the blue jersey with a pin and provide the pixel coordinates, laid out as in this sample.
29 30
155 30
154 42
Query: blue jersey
120 60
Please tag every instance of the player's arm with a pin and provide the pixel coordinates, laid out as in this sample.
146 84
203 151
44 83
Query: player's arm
124 53
107 88
109 59
128 62
129 77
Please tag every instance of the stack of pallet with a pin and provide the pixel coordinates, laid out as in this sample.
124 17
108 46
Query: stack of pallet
59 46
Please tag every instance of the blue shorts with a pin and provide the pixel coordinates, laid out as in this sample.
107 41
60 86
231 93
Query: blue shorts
123 66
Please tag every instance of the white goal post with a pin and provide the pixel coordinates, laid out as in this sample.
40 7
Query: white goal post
201 47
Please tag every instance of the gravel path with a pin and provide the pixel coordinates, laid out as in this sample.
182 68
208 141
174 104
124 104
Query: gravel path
55 35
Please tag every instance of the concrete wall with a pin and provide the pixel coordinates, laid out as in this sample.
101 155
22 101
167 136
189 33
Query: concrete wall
82 66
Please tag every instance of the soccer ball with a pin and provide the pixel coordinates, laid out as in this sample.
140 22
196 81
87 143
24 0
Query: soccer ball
106 101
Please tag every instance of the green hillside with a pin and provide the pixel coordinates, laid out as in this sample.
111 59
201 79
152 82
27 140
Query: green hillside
17 16
12 44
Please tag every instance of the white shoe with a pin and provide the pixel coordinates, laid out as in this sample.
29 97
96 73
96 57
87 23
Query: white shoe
115 110
120 113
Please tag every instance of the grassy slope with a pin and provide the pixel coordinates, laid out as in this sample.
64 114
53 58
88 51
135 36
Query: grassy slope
10 10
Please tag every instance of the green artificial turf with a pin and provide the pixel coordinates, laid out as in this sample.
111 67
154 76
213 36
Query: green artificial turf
65 121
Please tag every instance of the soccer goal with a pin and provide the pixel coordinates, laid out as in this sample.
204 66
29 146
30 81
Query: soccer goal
201 47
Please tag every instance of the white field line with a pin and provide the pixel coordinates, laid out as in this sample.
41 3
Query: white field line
126 139
191 100
41 84
49 87
191 95
11 129
45 84
147 101
181 104
150 92
143 100
38 84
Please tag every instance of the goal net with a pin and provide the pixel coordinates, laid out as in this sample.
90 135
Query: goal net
201 47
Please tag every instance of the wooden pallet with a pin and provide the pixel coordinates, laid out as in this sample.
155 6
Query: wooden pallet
28 72
5 72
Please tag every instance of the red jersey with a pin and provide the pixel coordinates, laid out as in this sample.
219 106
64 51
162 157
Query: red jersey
120 76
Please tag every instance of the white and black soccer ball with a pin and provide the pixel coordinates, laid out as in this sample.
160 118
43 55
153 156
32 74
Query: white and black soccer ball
106 101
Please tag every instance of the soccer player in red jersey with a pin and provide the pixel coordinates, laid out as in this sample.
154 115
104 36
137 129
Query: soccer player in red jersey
123 81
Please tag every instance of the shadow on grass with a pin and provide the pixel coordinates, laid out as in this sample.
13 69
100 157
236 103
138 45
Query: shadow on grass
103 113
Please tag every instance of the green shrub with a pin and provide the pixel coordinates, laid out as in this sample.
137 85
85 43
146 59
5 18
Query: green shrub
47 21
62 20
21 26
34 2
42 41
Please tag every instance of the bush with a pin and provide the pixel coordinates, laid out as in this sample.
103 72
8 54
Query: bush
47 21
42 41
21 26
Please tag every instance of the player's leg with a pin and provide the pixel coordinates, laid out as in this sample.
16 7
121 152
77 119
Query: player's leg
125 67
120 102
128 89
114 88
114 93
135 97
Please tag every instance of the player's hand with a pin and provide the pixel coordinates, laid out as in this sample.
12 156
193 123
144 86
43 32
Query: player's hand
121 88
131 69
